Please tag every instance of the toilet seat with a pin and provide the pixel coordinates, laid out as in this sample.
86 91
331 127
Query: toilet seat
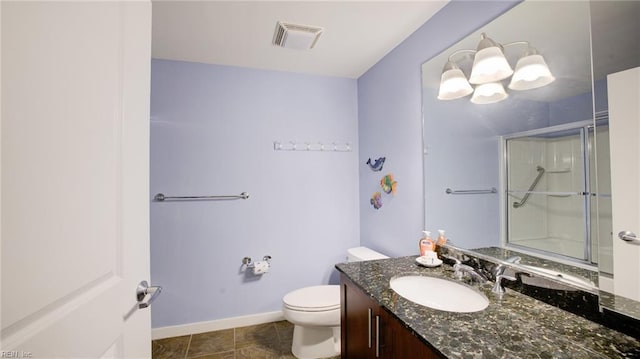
318 298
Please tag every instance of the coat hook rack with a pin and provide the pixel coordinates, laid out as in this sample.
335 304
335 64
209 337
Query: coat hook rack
312 146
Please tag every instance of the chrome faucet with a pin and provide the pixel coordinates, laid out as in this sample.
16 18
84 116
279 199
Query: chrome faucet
456 266
460 270
499 273
450 257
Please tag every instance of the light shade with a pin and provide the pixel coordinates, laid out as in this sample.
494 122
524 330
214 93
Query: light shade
489 63
453 83
531 72
489 93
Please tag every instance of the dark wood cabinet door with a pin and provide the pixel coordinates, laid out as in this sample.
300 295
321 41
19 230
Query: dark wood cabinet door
369 331
357 322
397 341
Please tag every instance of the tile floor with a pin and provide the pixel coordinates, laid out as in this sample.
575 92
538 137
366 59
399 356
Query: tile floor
263 341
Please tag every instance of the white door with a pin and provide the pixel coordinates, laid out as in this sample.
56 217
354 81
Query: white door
624 132
75 163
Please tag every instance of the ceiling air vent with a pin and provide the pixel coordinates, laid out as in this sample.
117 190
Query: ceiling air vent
292 36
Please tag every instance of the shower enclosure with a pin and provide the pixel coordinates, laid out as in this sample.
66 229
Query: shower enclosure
551 198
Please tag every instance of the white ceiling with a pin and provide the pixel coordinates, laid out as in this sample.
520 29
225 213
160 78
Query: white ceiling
357 34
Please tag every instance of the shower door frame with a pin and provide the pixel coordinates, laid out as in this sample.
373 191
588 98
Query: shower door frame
584 125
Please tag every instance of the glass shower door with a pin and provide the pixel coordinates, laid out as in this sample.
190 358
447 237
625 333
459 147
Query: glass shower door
600 199
546 207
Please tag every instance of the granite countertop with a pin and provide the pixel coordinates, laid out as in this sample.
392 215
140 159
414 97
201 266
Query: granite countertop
609 301
504 254
515 327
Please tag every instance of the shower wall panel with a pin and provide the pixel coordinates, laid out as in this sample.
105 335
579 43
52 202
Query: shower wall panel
552 218
601 223
530 221
565 213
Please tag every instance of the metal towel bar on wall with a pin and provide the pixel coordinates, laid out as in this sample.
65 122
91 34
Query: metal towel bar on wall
162 198
471 191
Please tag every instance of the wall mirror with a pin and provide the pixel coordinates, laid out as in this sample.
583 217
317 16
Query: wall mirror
530 172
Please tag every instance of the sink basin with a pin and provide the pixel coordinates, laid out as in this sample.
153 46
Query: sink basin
439 293
573 280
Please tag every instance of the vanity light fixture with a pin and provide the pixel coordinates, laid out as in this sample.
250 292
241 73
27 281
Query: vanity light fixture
453 83
531 71
489 93
489 63
490 67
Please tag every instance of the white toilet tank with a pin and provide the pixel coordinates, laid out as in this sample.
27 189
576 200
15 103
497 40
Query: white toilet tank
358 254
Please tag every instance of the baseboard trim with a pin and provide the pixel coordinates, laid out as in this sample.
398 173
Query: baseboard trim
219 324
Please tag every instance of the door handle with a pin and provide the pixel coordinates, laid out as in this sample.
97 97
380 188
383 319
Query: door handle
629 237
377 336
143 290
370 314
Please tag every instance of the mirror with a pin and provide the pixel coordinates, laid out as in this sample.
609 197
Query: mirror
561 212
616 47
463 142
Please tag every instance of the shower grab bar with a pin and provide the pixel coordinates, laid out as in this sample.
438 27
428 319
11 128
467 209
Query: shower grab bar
524 199
471 191
161 197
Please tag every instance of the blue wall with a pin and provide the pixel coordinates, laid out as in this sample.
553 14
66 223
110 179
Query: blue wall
212 133
580 107
390 124
213 129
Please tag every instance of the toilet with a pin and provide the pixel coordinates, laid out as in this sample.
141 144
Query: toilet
315 313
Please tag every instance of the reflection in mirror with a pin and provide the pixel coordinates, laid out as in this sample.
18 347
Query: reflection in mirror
462 139
547 206
616 47
561 127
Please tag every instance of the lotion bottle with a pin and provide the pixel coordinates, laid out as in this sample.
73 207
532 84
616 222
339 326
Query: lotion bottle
441 238
440 241
426 243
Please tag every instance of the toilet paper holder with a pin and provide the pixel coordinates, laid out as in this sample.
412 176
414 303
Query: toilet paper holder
248 262
257 268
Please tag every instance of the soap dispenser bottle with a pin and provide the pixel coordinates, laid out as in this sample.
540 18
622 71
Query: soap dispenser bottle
440 241
441 238
426 243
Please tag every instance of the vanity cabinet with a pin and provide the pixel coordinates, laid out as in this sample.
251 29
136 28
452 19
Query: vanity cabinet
358 316
369 331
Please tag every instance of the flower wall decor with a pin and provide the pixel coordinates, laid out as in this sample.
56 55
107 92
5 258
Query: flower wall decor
376 200
388 184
